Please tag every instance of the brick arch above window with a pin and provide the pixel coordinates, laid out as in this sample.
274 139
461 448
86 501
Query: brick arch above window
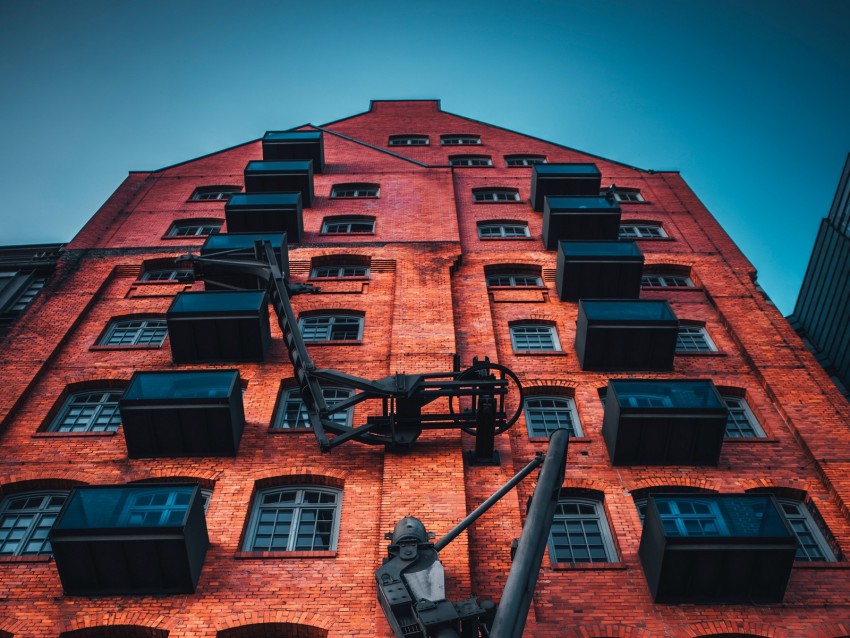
19 485
340 266
116 631
274 630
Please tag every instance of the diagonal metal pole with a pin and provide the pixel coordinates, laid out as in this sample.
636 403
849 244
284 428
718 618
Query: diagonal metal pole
516 598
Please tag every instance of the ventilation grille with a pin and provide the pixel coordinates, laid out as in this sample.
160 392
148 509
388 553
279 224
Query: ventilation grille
376 265
549 274
127 271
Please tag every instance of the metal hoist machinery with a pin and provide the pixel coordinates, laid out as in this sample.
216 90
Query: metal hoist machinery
411 585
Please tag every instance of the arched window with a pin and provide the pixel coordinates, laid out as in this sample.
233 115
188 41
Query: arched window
194 228
524 160
142 331
470 160
213 193
26 520
534 336
294 518
331 327
355 191
545 414
580 532
92 410
292 413
495 195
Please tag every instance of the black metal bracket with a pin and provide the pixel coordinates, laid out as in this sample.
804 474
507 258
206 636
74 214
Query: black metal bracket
477 398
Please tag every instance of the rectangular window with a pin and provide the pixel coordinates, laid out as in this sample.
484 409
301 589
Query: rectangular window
694 339
740 421
503 230
340 191
182 275
331 328
135 332
627 196
666 281
292 412
95 411
580 533
544 415
338 226
193 229
524 160
517 280
641 231
408 140
534 337
460 140
495 195
470 160
339 272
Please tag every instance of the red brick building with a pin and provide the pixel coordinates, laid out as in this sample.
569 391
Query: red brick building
427 234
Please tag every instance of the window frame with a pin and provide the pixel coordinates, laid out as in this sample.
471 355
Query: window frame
333 319
665 280
460 139
470 161
355 190
38 513
174 275
562 406
627 195
512 276
642 232
298 505
76 403
493 195
691 332
551 329
803 516
121 324
409 140
747 417
524 160
291 395
606 537
202 228
341 271
503 228
347 220
221 193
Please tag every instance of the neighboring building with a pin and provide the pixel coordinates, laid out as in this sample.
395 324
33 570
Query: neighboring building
822 313
23 272
433 238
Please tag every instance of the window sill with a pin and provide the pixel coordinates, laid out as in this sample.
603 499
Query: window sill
688 353
26 559
319 280
749 439
647 239
540 353
50 435
586 566
573 439
509 238
127 347
344 197
340 342
347 234
164 282
517 288
184 237
517 202
279 430
827 565
671 288
296 554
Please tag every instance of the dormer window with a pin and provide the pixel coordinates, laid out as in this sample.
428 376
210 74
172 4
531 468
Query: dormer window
460 140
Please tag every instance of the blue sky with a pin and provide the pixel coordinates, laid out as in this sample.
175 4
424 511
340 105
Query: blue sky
749 99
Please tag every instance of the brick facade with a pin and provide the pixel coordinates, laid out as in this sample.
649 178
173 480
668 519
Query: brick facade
425 300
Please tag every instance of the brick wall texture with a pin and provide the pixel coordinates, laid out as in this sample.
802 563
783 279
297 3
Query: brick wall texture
425 299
